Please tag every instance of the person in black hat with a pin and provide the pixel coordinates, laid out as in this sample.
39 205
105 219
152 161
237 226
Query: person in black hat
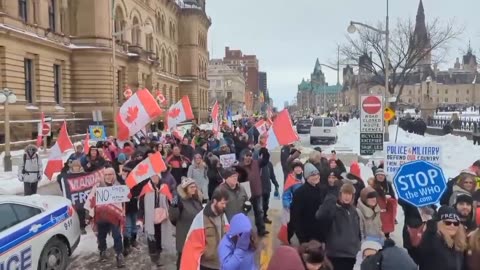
464 207
443 243
237 193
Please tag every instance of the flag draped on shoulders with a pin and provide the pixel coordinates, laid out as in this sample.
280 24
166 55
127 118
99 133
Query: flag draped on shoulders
179 112
136 113
283 232
62 145
195 243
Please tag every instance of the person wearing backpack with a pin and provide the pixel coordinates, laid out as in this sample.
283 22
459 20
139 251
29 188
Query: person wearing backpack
30 172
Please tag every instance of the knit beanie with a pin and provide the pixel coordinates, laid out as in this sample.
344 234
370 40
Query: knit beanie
380 172
373 245
447 212
355 169
309 170
464 198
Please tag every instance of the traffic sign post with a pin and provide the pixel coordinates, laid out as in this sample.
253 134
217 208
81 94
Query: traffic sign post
371 124
420 183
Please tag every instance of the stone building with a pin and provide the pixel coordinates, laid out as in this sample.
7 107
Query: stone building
315 95
227 86
425 84
56 56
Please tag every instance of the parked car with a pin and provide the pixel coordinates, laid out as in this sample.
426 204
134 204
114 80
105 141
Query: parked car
303 126
37 232
324 129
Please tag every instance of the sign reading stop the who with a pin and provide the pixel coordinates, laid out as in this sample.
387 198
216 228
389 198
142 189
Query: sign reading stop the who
420 183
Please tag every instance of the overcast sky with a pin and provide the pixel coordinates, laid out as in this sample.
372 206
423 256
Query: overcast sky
288 35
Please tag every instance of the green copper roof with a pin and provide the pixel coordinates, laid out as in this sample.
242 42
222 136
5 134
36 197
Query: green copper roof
328 89
304 86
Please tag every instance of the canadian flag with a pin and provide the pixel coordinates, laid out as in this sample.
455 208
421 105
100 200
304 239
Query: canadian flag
164 189
160 97
86 144
178 134
261 126
281 132
179 112
136 113
152 165
63 144
215 121
40 132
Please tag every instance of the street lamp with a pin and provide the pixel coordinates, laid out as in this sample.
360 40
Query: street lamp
7 97
147 29
352 29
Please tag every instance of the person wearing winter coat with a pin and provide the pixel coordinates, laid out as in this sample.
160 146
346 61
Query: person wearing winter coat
198 172
305 203
237 196
93 161
79 154
343 236
294 181
389 257
321 163
253 169
354 177
336 164
466 184
268 177
213 173
286 258
314 257
284 154
444 242
186 149
472 260
465 209
183 210
30 171
369 214
178 164
386 200
237 248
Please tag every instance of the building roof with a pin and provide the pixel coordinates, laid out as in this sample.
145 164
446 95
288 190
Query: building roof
328 89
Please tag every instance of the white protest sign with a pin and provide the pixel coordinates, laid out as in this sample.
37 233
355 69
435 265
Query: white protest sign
227 160
399 154
113 194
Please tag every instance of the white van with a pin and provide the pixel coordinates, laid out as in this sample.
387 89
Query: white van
324 129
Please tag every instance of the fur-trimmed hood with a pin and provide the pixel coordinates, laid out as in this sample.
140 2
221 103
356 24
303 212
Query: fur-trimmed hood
181 192
366 211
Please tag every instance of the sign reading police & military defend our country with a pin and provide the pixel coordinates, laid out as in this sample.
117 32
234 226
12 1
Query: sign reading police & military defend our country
399 154
77 187
97 133
420 183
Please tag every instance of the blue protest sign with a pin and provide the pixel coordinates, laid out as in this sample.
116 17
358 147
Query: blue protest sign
97 133
420 183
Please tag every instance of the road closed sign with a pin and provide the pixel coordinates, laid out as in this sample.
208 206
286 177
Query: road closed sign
371 124
420 183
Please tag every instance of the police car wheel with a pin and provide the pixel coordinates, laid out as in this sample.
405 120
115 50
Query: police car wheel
54 256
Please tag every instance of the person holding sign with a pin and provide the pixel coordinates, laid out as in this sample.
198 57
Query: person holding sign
108 218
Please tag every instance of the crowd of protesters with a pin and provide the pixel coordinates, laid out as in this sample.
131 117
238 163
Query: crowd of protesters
339 219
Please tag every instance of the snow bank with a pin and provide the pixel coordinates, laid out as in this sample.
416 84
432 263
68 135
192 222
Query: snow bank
458 153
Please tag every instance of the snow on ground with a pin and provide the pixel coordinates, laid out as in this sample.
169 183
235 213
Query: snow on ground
458 153
9 183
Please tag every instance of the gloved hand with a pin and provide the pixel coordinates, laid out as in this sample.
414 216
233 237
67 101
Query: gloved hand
244 241
276 193
151 237
175 201
247 206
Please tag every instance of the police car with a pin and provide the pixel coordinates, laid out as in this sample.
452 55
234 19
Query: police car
37 232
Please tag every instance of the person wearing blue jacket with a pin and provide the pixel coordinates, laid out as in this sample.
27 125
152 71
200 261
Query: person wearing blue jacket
237 249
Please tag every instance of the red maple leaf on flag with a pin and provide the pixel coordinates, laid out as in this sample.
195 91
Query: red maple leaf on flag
142 170
174 113
132 114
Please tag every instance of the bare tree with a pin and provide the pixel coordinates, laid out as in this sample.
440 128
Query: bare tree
406 52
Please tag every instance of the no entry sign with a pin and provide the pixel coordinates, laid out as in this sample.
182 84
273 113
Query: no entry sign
45 129
371 124
372 104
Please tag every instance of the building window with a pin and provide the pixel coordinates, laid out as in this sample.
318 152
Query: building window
446 91
135 32
468 91
457 91
57 72
22 10
219 83
438 100
119 85
28 70
438 91
51 15
149 41
457 100
446 100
